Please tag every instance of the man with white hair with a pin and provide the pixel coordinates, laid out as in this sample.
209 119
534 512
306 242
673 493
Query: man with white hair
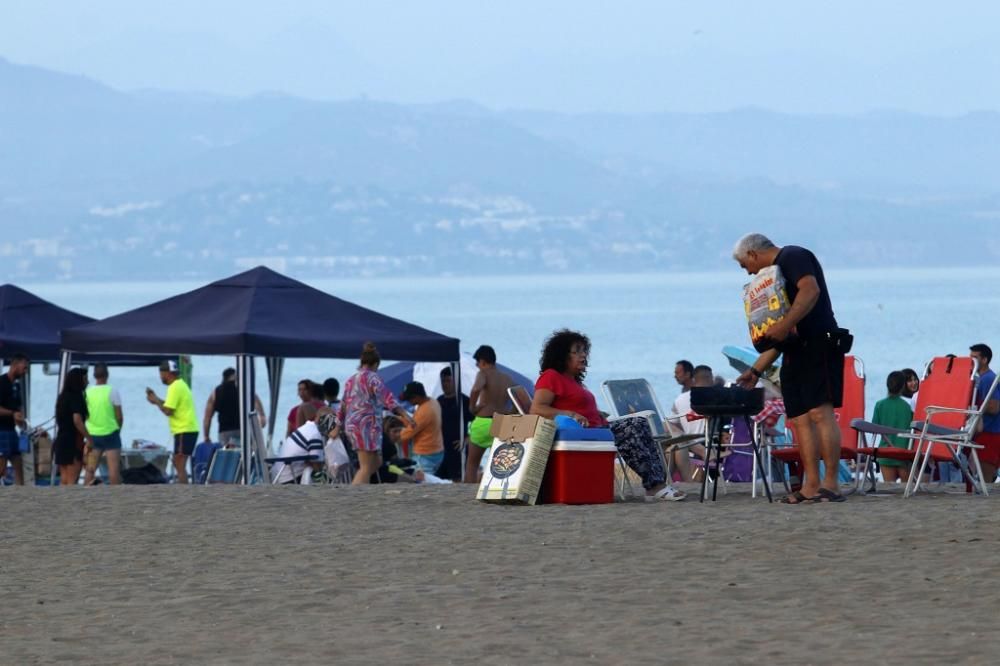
812 369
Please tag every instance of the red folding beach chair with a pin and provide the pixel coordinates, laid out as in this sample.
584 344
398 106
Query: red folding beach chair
945 422
853 408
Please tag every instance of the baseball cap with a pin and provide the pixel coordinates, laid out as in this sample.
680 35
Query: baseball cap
413 390
168 366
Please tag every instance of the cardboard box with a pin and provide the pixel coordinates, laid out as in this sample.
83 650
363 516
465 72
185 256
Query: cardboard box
517 459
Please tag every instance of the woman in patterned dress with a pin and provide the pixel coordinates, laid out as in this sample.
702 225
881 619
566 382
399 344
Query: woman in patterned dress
365 395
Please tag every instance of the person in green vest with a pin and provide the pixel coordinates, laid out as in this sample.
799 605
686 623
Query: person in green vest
178 407
104 423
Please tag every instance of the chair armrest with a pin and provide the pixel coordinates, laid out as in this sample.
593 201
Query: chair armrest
291 459
936 429
874 428
958 438
933 409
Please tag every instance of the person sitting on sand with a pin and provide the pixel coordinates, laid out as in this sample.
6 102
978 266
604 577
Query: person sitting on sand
893 411
560 391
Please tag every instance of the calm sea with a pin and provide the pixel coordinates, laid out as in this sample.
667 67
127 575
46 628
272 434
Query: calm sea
640 325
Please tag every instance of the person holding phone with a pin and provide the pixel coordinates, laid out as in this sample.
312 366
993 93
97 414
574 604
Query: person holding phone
178 407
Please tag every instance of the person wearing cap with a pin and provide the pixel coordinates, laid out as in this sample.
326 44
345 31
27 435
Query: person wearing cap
178 407
427 447
306 440
225 401
487 397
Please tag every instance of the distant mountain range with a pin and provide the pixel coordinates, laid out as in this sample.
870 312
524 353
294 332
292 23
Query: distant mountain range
97 183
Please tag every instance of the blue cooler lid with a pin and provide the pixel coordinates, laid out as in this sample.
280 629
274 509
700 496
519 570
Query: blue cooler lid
584 435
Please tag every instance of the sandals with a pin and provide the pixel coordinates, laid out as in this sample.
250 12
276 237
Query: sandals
825 496
798 498
669 494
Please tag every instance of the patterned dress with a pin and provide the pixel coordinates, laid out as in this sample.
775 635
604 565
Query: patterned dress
360 408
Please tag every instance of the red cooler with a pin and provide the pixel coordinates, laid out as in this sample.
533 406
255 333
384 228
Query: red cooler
581 467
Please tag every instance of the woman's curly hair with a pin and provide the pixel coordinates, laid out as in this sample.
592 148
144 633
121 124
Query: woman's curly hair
555 351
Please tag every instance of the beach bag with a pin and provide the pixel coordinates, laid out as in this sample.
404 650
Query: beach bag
42 443
765 301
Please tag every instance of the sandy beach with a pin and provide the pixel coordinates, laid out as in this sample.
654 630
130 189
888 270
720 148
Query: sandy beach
426 574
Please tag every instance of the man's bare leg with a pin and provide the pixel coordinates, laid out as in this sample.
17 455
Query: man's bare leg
825 426
180 466
473 458
805 435
114 458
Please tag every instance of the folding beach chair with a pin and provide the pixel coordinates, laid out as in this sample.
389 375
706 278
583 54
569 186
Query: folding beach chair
225 466
851 409
519 398
635 397
275 466
946 421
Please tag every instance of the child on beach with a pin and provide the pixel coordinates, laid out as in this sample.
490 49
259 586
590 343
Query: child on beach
895 412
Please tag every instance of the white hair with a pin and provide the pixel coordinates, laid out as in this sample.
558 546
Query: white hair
751 242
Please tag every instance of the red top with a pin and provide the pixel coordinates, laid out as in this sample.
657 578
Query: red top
571 395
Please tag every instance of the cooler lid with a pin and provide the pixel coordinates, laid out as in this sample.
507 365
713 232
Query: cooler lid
590 447
584 435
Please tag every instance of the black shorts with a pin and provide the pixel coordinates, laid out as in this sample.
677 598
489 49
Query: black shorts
68 450
812 374
184 442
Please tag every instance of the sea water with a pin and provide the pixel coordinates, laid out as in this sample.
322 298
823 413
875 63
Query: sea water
639 326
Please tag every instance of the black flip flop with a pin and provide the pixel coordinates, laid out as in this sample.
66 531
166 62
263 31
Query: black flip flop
826 496
799 499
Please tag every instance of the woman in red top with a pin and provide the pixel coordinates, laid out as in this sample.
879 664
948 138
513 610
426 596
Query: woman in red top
559 391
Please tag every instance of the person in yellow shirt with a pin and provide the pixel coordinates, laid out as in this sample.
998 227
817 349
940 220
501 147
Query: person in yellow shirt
178 406
428 442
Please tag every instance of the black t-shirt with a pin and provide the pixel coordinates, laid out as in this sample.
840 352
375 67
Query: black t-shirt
10 398
68 405
227 406
795 263
449 418
451 466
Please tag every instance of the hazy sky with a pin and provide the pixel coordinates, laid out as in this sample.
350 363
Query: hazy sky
573 55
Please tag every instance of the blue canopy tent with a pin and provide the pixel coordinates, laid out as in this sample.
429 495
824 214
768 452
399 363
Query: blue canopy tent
30 325
257 313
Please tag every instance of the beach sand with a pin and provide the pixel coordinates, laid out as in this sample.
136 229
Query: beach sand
426 574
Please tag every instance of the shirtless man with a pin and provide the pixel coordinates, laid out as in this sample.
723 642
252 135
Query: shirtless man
488 397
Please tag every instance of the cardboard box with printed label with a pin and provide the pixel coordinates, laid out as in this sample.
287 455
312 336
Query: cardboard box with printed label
516 462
